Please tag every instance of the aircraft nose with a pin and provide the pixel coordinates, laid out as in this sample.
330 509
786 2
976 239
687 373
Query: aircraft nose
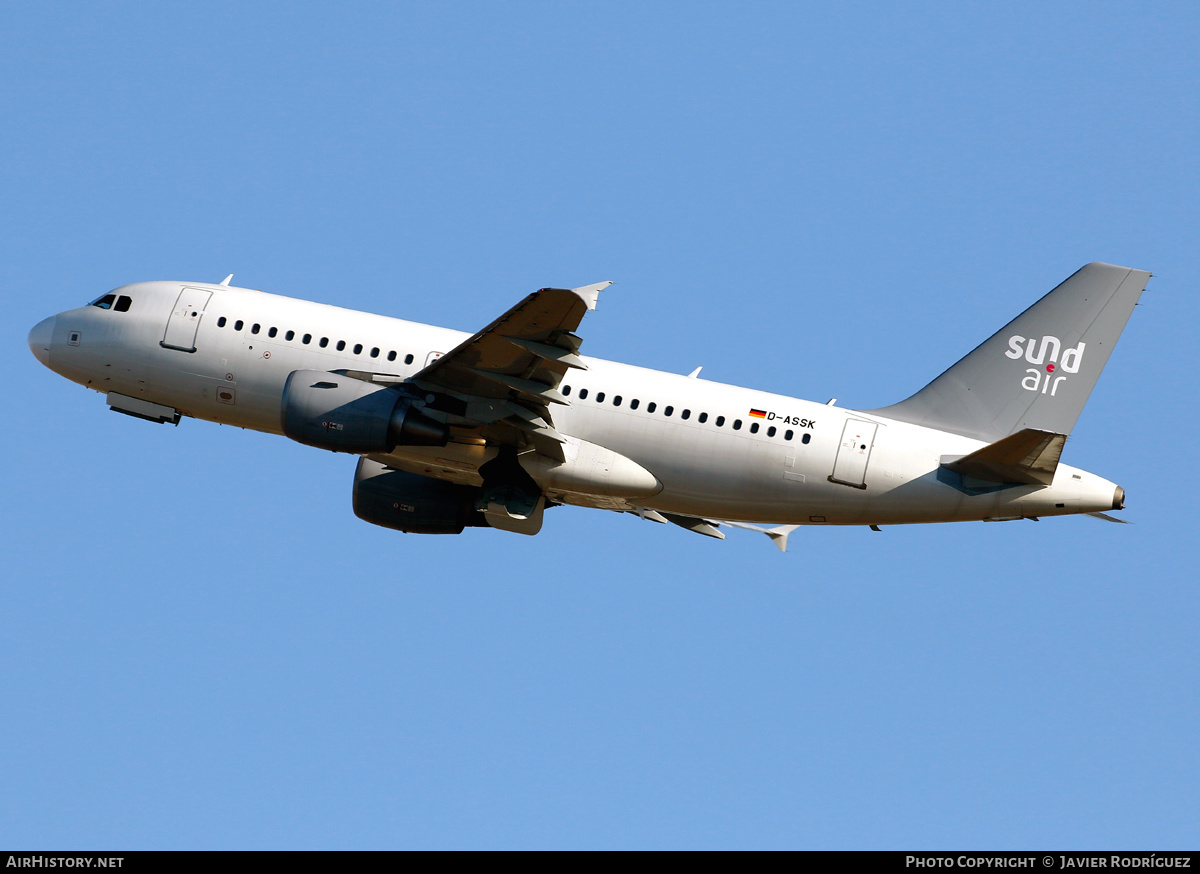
39 340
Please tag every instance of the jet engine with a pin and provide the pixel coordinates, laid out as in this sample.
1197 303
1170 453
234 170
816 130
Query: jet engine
413 503
343 414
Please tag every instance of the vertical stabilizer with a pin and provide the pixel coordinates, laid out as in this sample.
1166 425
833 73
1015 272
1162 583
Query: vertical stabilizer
1038 370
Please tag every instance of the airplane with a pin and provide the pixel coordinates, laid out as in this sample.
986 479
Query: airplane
456 430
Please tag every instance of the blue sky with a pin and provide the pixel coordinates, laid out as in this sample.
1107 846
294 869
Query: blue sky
203 647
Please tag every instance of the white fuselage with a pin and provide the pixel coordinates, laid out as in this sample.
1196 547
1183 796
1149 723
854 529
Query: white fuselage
714 458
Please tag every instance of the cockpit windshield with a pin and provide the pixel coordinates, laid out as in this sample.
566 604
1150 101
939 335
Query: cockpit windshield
113 302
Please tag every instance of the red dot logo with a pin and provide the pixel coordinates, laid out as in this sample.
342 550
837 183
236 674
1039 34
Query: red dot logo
1049 368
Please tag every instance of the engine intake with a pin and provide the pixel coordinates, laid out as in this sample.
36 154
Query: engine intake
343 414
412 503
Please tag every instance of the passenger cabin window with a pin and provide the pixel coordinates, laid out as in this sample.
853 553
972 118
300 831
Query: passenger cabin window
221 322
583 394
254 328
123 303
633 404
392 355
720 421
358 348
686 414
290 335
341 345
651 407
668 411
703 417
272 332
375 352
408 359
566 390
106 302
806 438
754 427
771 431
737 424
324 342
787 435
307 339
599 397
617 401
238 325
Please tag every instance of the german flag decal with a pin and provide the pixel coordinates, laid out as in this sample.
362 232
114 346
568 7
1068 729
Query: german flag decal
758 414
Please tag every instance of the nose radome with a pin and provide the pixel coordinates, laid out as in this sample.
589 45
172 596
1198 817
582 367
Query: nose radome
39 340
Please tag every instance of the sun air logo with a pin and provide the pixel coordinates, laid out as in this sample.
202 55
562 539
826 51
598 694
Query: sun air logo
1047 377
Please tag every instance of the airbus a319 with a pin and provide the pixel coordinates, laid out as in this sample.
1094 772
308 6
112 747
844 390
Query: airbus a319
456 430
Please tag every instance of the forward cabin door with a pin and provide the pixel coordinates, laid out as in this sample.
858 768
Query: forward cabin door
850 466
185 320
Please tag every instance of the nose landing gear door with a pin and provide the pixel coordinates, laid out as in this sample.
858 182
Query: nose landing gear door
185 320
850 467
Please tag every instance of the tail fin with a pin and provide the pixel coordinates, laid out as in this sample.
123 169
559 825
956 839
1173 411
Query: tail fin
1039 369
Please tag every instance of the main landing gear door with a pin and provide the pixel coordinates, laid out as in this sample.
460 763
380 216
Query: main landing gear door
185 320
850 467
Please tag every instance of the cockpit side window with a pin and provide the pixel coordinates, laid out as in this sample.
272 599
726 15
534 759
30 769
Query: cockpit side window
123 303
106 302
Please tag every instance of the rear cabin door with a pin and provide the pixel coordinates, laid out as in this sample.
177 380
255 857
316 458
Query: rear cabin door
850 466
185 320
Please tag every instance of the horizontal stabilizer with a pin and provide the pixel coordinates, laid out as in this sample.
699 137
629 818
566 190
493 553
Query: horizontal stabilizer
1029 457
1108 518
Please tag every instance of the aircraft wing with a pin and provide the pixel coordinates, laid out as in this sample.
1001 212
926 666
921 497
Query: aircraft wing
711 527
508 374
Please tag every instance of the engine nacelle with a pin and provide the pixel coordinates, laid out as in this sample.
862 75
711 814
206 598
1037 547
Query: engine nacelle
411 502
343 414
